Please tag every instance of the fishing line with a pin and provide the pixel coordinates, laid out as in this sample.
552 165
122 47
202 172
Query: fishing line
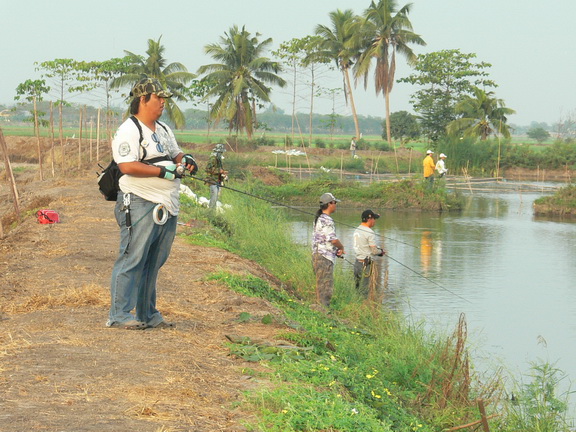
296 209
419 274
341 223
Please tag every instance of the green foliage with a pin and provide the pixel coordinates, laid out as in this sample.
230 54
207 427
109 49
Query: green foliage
536 407
539 134
480 116
403 126
444 77
386 30
240 79
173 76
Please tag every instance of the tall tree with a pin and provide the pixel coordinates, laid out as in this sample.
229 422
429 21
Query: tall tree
240 78
33 91
341 44
385 32
444 78
480 116
173 76
67 75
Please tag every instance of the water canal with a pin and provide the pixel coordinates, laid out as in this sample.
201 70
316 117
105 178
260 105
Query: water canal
513 275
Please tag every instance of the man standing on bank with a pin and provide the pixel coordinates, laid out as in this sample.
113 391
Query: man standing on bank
441 166
325 248
215 174
429 167
365 248
147 207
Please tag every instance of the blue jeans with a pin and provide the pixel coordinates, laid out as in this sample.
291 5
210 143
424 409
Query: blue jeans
140 257
214 191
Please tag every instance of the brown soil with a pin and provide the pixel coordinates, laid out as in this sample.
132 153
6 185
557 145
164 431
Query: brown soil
61 369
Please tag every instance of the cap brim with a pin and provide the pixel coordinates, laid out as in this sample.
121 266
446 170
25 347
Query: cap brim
164 94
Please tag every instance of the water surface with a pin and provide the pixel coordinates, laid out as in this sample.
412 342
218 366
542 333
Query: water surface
513 275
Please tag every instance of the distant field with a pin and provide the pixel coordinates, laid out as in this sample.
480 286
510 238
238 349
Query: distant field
203 137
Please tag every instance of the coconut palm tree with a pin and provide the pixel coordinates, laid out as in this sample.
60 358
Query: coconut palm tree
481 115
240 79
385 32
173 76
340 44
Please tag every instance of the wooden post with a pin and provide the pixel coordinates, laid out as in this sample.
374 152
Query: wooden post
80 140
10 174
52 138
90 139
485 425
98 137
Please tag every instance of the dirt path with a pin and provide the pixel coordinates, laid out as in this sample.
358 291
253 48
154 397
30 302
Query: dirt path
61 369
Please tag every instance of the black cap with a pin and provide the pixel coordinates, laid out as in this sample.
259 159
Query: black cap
367 214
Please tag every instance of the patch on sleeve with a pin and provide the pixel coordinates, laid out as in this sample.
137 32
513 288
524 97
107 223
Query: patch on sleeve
124 149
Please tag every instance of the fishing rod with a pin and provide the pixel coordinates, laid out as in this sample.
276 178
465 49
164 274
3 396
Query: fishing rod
342 223
290 207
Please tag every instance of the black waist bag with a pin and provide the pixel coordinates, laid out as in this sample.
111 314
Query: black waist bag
108 181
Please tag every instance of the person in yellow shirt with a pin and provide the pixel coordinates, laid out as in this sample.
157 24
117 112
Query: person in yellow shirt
429 167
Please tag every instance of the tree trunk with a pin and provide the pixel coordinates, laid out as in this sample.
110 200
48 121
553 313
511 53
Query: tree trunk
311 105
352 105
80 139
61 133
37 129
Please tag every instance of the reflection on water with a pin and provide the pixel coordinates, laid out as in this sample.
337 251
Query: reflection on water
510 273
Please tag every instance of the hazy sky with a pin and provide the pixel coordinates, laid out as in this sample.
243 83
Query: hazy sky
531 49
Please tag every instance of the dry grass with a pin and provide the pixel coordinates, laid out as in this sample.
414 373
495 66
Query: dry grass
88 295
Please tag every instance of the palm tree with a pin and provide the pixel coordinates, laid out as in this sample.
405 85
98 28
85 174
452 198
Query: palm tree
385 32
173 76
481 115
340 43
240 78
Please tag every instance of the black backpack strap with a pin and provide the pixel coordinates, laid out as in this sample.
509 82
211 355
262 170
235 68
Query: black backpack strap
137 123
163 127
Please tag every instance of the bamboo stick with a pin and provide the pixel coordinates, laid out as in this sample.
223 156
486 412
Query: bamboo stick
10 174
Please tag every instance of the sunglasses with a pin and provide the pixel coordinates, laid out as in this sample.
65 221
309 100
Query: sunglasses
159 146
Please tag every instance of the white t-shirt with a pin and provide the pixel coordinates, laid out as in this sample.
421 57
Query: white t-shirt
365 242
323 235
126 148
441 167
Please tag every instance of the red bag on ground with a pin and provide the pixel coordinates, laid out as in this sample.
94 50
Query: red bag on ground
47 216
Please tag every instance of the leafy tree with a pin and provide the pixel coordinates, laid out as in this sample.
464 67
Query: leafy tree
444 77
539 134
103 74
403 126
69 77
340 44
33 91
240 78
481 116
173 76
301 55
385 32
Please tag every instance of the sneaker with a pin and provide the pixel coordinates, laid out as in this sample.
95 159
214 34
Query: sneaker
163 324
128 325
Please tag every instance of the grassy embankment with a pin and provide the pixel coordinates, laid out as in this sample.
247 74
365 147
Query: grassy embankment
562 203
360 367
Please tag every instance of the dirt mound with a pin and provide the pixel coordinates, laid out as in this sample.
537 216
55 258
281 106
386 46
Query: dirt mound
61 369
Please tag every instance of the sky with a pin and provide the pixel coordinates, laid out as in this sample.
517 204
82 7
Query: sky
531 50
